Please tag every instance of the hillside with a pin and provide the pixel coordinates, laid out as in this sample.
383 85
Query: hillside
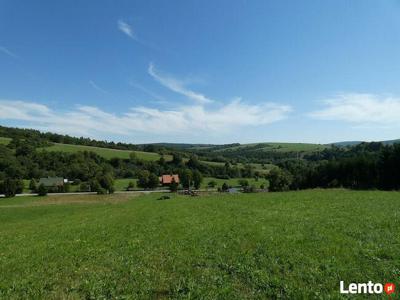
279 147
4 140
106 152
353 143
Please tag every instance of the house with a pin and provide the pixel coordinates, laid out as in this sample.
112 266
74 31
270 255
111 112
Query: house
168 179
52 181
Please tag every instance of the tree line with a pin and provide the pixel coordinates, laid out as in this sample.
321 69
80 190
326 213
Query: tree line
365 166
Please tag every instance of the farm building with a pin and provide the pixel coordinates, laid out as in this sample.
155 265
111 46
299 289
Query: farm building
52 181
168 179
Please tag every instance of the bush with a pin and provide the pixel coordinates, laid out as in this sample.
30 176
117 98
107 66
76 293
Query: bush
153 181
33 185
279 180
67 187
131 186
173 187
197 179
10 187
84 187
42 190
224 187
101 191
249 189
212 184
243 183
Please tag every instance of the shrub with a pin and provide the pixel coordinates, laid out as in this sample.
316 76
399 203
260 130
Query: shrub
10 187
212 184
173 187
42 190
249 189
101 191
131 186
243 183
279 180
84 187
33 185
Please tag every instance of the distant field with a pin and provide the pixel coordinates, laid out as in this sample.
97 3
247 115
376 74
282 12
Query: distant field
4 140
294 245
282 147
234 182
106 152
122 184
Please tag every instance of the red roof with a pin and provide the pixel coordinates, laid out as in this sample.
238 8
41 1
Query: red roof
166 179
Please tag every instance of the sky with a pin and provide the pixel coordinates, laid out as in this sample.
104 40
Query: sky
185 71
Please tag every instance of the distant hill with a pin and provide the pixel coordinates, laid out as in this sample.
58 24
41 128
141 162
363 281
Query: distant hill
353 143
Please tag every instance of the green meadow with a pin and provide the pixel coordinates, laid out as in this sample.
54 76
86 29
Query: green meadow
293 245
106 152
4 140
280 147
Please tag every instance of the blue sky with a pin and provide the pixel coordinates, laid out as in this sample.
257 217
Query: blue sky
202 71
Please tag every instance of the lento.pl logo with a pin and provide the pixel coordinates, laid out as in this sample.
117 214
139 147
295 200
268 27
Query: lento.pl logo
367 288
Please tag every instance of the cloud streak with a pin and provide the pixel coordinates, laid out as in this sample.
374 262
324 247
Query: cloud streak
96 87
8 52
184 120
177 86
147 91
126 28
360 109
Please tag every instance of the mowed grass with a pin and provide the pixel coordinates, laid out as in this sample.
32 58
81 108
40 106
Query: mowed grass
294 245
106 152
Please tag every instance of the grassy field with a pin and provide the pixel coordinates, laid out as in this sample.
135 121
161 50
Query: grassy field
122 183
105 152
233 182
4 140
274 245
280 147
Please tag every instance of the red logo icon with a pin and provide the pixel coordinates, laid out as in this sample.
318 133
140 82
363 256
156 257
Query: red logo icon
389 288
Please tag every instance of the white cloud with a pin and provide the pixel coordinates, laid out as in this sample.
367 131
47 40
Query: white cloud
8 52
177 86
361 109
126 28
183 120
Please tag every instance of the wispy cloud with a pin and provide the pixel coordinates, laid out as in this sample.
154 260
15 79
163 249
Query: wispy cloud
184 120
361 109
146 91
126 28
96 87
8 52
177 85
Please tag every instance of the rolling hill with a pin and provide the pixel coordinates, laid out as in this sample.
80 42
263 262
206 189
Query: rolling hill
107 153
